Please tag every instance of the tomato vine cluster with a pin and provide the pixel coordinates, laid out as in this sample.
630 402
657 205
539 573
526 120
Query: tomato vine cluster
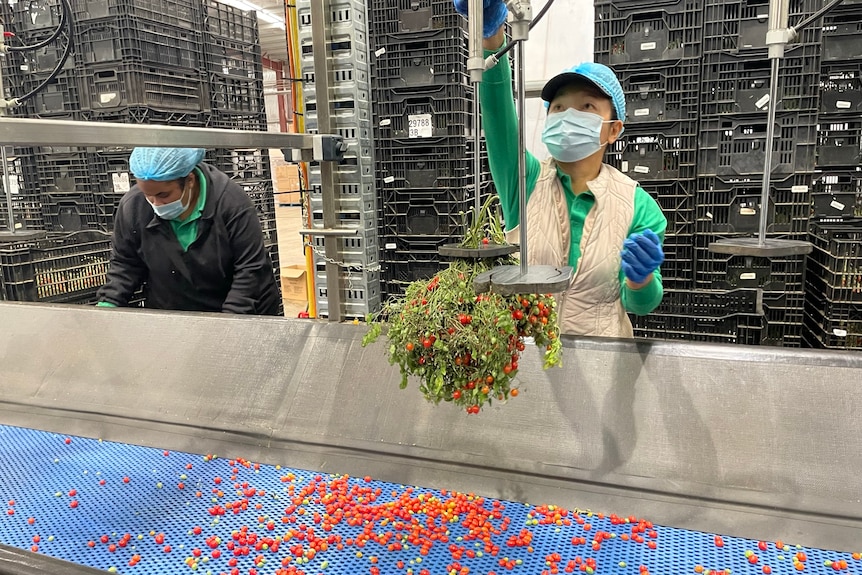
466 348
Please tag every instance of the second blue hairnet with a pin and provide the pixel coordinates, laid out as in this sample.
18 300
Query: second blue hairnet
164 164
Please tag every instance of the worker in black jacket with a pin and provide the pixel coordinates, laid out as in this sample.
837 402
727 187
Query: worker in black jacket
191 236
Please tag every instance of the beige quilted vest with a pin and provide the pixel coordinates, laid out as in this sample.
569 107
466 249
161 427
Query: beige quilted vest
591 306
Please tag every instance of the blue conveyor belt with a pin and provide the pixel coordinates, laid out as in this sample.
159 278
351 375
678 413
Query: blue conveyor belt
144 511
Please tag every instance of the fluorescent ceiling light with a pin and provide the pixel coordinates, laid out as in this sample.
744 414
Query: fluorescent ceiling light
265 15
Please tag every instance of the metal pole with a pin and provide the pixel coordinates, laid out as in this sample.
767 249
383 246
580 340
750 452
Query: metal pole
767 168
522 161
7 186
776 39
476 68
7 182
477 149
320 44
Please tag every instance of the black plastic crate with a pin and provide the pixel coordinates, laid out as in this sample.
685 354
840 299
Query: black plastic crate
426 163
839 142
731 208
112 178
661 94
420 64
60 99
697 328
244 122
838 327
230 22
446 112
241 164
43 60
230 58
841 32
416 213
236 95
412 18
733 146
841 88
835 264
739 84
35 15
743 316
26 201
677 271
263 198
837 195
181 13
130 40
677 202
741 25
726 272
397 275
628 33
64 269
70 211
123 86
658 153
145 115
62 170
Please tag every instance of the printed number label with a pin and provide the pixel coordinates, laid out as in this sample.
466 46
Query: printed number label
420 126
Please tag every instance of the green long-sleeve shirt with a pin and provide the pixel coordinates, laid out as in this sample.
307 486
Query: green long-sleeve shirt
500 123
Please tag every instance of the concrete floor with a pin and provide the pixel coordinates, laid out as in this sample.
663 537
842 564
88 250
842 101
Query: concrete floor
288 224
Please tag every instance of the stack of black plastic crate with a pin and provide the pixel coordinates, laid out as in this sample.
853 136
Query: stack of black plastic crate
833 291
423 114
655 51
234 76
767 292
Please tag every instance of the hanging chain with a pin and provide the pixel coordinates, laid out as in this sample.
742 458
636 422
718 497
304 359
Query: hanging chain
350 267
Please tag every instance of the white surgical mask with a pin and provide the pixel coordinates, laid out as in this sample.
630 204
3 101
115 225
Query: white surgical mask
572 135
174 209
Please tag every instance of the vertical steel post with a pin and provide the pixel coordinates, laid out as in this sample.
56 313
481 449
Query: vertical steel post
321 39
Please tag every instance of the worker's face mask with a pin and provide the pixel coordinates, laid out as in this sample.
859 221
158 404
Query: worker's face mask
176 208
572 135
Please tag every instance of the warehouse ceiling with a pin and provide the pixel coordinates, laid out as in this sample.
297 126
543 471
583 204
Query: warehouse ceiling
270 17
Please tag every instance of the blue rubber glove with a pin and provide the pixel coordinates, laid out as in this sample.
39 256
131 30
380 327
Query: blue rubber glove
642 255
494 15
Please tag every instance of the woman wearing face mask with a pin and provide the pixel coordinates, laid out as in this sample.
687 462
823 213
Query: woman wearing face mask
580 211
192 235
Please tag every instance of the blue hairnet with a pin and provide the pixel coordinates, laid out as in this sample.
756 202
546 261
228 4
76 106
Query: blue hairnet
164 164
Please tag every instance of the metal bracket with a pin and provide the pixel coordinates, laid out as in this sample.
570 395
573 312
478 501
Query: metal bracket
329 232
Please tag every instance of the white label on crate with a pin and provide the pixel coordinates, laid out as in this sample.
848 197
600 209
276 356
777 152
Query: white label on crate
420 126
388 179
709 215
747 212
762 16
25 68
641 169
839 332
624 166
799 190
761 103
647 46
842 105
391 246
107 97
121 182
837 205
642 112
380 52
748 276
386 122
18 225
13 186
